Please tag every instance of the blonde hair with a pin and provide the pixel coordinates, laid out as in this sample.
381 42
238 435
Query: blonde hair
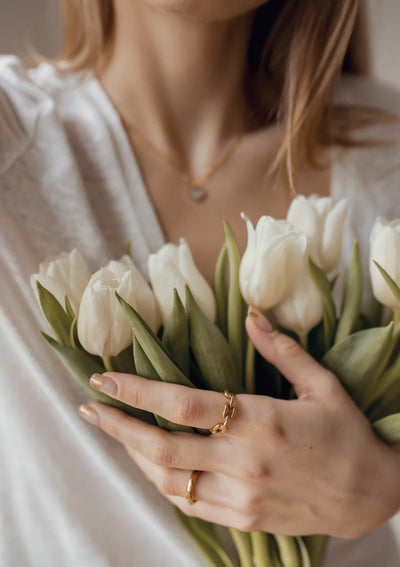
302 46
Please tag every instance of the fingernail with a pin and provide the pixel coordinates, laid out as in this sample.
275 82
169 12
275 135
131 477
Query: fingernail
104 384
259 319
90 414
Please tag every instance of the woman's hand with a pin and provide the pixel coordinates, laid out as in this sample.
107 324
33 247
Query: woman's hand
310 465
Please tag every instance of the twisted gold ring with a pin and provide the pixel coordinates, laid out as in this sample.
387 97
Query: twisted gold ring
191 486
228 414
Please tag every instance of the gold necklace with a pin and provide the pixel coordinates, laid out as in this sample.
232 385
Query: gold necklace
196 188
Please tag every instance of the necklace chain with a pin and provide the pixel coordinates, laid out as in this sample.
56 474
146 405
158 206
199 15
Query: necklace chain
196 189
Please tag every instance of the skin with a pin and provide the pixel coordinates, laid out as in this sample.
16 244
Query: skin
310 465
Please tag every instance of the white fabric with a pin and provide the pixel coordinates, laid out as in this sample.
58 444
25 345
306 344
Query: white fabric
69 495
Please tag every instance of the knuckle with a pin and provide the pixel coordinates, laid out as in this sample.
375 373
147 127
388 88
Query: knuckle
161 451
165 484
273 430
189 409
248 524
257 472
251 503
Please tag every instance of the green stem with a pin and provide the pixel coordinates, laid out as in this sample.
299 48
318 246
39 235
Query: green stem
243 546
261 551
316 546
303 340
249 374
107 363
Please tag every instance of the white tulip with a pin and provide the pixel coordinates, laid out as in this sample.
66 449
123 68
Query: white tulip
385 250
272 260
173 267
322 220
303 308
103 326
66 274
144 300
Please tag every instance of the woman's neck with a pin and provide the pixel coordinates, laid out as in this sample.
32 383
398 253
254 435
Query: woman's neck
180 82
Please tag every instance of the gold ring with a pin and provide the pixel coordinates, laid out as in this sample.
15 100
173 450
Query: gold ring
191 486
228 414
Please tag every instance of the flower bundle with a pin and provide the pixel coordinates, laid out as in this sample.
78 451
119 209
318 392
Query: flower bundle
180 330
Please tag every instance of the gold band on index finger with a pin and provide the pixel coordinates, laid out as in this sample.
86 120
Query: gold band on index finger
227 415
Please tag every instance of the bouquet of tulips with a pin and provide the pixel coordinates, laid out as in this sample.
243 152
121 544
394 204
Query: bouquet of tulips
180 330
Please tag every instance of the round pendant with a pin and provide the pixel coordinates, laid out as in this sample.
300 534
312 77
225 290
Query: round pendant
197 193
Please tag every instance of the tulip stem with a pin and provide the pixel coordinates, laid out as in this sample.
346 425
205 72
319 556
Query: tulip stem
107 363
303 340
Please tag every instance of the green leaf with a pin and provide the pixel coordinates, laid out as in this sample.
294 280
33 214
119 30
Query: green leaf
82 366
324 287
236 305
153 348
176 335
59 320
206 539
146 369
128 248
289 551
220 288
355 359
211 350
68 308
388 428
395 289
352 297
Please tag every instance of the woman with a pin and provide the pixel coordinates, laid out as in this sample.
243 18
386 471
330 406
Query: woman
228 101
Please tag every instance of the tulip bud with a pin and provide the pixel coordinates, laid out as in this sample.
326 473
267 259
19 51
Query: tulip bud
171 268
385 250
272 260
103 327
67 274
302 309
144 301
322 220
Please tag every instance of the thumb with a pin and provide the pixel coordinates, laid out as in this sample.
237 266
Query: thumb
307 376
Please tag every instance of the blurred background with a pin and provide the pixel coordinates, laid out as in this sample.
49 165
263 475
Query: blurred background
37 22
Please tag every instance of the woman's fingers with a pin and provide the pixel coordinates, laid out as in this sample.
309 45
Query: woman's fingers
307 376
182 405
165 449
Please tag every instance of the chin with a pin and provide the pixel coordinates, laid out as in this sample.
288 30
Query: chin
207 10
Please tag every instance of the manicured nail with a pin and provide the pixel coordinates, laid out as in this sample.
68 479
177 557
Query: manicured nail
259 319
90 414
104 384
